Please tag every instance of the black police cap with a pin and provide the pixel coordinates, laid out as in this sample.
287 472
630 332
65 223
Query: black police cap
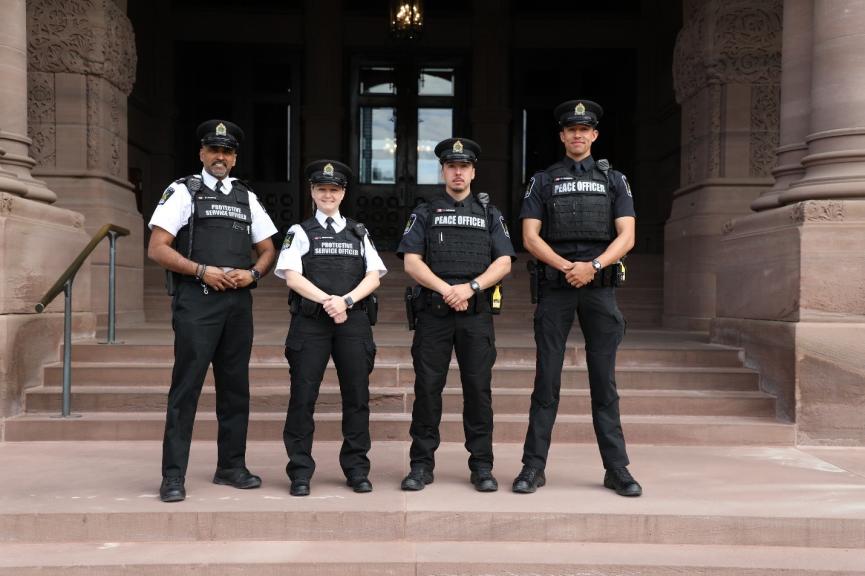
458 150
220 133
578 112
328 172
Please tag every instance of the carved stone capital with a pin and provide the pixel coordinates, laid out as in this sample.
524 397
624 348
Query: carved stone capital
91 37
818 211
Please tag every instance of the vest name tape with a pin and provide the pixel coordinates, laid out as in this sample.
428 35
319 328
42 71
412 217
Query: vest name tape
224 211
459 220
336 249
579 186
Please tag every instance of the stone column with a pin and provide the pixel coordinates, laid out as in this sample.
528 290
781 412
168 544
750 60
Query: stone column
791 287
727 67
37 240
490 107
82 64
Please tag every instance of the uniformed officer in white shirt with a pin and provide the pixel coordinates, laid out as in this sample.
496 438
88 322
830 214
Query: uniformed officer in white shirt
332 268
203 233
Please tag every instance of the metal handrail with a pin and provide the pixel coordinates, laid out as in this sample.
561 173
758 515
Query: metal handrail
64 284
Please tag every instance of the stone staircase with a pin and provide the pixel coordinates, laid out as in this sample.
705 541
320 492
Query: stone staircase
726 490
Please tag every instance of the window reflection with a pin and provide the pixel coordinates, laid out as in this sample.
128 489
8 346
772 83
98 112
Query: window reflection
433 126
377 146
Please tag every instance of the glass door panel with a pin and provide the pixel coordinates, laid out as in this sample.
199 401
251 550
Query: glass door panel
433 126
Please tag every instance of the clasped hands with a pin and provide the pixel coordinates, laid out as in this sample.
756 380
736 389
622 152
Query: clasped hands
457 297
336 308
219 280
578 274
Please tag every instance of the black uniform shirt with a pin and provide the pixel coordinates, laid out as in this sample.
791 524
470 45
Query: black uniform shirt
539 191
414 236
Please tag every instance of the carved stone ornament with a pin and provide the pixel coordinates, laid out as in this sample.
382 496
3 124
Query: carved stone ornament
92 37
765 118
818 211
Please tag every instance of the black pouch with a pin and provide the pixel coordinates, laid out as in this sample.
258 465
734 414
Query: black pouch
309 308
372 309
437 305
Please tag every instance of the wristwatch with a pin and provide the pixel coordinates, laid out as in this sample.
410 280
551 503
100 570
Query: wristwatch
596 264
256 275
475 286
349 302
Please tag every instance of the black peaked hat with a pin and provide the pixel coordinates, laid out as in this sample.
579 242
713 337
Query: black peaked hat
220 133
458 150
328 172
578 112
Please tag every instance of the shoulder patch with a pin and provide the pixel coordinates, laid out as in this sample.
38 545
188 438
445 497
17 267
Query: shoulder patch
529 189
411 220
289 238
166 195
627 186
504 226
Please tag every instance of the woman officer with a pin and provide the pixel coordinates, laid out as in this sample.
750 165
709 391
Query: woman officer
331 267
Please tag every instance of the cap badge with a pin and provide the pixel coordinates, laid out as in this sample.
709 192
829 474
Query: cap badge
328 170
580 109
458 147
220 129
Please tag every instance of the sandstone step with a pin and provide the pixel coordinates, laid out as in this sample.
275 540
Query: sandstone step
406 558
400 400
394 345
658 430
402 374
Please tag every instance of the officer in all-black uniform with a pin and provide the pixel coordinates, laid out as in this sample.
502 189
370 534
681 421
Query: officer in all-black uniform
203 231
578 221
332 268
457 247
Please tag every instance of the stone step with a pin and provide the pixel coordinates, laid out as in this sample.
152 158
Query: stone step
394 345
639 429
401 374
400 399
409 558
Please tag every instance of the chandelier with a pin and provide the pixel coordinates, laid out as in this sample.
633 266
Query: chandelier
406 19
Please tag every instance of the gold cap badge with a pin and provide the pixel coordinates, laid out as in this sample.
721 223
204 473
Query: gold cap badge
580 109
458 147
328 170
220 129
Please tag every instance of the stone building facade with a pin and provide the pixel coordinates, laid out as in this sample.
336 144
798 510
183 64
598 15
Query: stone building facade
740 122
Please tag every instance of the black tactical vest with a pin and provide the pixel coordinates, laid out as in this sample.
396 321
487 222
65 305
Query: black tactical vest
579 207
334 262
458 240
221 226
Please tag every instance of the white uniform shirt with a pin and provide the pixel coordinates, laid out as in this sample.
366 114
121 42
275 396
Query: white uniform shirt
298 244
173 212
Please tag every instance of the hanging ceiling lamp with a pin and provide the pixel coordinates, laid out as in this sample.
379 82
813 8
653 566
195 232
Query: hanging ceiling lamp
406 19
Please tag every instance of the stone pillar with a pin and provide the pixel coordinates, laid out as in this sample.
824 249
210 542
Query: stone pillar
791 287
490 110
82 64
37 241
726 71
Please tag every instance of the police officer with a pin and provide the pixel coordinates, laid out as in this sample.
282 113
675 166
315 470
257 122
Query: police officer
578 221
457 247
203 231
332 268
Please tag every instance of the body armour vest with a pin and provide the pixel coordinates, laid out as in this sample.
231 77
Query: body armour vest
458 240
579 207
220 227
334 262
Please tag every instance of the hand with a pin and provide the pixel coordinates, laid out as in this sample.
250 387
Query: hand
334 306
457 296
340 318
217 279
242 278
580 274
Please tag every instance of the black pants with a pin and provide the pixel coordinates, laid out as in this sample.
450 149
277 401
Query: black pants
603 328
214 327
473 338
309 344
